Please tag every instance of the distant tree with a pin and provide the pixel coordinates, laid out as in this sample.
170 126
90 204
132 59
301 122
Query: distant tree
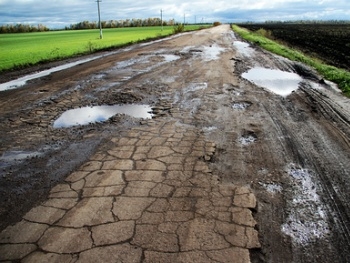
22 28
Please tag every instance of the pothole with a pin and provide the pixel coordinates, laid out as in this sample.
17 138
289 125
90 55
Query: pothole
280 82
243 48
241 105
86 115
248 137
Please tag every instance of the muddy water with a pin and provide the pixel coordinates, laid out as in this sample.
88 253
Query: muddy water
86 115
243 48
280 82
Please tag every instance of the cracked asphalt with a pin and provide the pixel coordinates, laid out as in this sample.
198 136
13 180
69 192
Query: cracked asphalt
150 197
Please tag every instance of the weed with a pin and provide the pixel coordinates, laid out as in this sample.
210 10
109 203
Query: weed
90 47
265 33
55 53
178 28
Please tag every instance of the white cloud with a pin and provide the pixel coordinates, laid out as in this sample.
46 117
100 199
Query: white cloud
57 13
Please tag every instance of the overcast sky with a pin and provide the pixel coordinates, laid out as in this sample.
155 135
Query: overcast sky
60 13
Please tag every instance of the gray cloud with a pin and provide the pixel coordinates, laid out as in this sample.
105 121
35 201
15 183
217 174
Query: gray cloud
58 13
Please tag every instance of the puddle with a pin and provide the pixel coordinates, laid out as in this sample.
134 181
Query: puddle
22 81
307 219
243 48
241 105
280 82
208 53
212 52
170 57
247 138
86 115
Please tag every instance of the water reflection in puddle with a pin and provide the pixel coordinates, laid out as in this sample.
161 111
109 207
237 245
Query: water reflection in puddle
86 115
243 48
248 137
246 140
280 82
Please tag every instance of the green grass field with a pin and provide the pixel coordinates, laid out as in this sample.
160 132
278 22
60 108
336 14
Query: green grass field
25 49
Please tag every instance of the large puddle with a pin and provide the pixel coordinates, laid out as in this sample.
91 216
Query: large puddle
280 82
86 115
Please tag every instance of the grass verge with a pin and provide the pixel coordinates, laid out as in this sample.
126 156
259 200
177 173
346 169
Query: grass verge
22 50
339 76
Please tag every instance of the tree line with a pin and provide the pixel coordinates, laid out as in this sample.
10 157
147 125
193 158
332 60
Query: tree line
121 23
24 28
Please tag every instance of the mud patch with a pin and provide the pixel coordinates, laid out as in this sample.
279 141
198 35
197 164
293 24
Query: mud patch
272 188
86 115
307 219
195 87
10 157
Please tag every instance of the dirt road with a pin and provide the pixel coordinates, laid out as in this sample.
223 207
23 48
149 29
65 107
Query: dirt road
292 152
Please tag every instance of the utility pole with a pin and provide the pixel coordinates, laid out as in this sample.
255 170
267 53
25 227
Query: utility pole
99 17
161 18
